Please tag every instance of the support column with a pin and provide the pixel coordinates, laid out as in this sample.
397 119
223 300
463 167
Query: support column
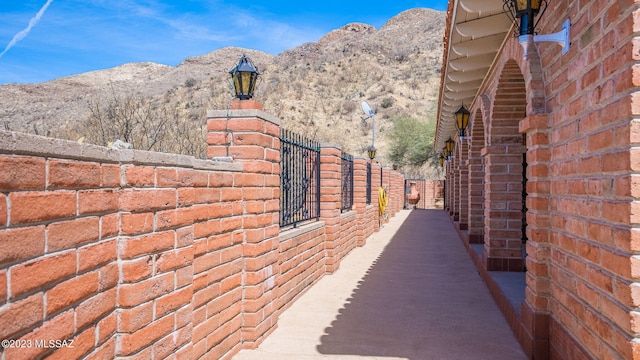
463 184
535 308
447 187
360 198
252 137
455 201
330 180
503 207
475 179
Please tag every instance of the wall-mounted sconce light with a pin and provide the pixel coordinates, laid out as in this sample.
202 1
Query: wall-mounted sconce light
449 145
441 159
526 11
462 121
445 153
244 76
395 166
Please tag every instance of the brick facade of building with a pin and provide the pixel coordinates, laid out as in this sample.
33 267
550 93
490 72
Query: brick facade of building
573 117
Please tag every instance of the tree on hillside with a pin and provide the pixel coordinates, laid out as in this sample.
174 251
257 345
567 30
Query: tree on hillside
411 143
168 127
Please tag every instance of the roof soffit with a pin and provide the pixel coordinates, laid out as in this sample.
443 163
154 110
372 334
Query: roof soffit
477 30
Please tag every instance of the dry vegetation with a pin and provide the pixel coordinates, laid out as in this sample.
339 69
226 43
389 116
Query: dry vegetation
315 89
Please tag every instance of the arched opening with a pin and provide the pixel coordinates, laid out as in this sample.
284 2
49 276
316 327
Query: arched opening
504 173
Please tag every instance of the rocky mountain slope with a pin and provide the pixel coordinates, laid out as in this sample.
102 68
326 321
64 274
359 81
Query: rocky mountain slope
315 89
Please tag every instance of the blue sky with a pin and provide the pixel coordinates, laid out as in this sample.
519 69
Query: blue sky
45 39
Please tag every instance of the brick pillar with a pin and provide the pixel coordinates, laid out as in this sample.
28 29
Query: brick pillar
400 192
476 191
330 180
360 197
455 176
252 137
448 186
394 193
391 192
397 185
452 188
535 308
463 184
503 207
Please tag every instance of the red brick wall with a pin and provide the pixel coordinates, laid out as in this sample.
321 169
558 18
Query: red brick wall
132 253
58 251
592 144
367 213
396 192
302 261
577 112
455 184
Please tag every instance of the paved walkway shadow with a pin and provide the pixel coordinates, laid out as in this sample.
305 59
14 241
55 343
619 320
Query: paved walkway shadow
412 292
422 299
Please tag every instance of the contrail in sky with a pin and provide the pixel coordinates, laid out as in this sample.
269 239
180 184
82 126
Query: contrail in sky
22 34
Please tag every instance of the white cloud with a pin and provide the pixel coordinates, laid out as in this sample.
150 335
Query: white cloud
22 34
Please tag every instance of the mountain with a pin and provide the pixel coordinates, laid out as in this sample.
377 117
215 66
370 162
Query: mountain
315 89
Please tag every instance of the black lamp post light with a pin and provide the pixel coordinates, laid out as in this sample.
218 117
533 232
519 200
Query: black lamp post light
371 152
462 121
244 76
526 11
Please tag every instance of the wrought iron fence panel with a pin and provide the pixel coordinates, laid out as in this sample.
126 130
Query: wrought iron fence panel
299 179
368 183
347 182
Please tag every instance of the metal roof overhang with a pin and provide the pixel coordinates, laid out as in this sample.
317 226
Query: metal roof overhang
477 30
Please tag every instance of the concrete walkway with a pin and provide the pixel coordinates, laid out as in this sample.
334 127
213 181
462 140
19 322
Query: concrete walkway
411 292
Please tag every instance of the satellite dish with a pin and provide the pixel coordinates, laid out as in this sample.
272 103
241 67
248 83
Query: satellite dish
367 109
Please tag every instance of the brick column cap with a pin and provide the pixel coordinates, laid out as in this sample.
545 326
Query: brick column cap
243 114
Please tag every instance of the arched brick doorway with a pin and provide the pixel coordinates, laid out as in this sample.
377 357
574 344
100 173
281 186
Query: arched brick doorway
503 162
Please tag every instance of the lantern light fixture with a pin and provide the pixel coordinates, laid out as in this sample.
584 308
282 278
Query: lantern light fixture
449 145
395 166
244 76
526 11
445 153
462 121
371 152
441 159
